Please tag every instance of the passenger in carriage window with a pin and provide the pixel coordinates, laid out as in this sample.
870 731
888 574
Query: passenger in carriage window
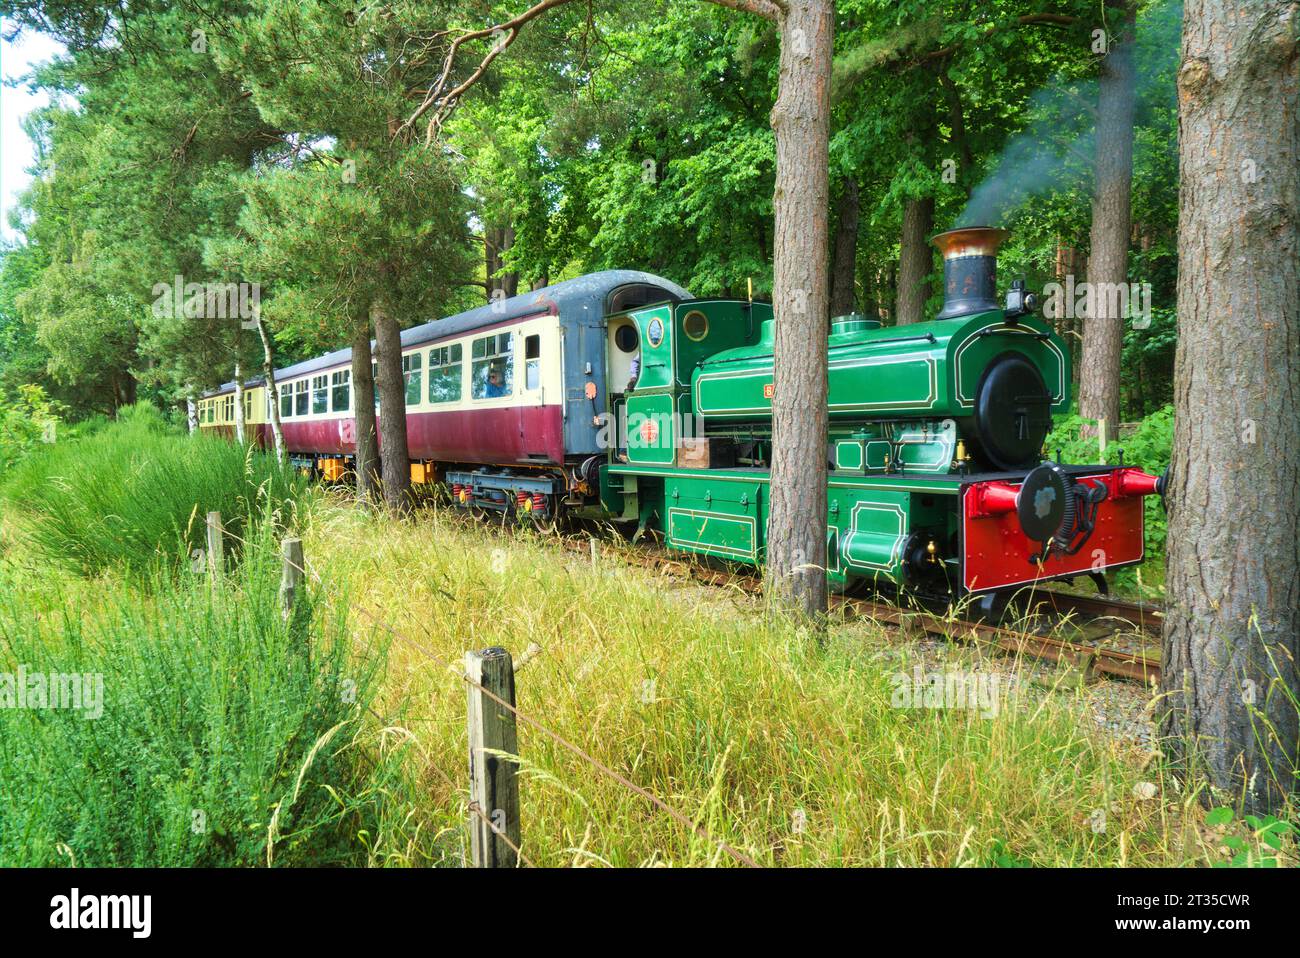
496 386
634 371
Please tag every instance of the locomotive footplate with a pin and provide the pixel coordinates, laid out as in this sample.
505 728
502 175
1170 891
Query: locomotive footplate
973 533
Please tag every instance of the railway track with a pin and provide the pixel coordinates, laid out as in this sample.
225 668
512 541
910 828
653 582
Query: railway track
1098 620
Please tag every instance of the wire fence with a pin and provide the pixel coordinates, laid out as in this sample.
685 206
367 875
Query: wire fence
698 828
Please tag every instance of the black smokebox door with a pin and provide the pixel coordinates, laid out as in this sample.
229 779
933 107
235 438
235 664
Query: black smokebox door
1012 412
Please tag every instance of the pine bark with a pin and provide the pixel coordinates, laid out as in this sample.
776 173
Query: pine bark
496 241
1103 327
796 546
240 430
363 411
915 260
1233 608
844 258
393 453
272 391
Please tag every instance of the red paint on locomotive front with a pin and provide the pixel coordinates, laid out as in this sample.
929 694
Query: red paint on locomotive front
996 553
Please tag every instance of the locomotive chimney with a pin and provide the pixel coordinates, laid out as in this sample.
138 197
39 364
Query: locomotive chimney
970 270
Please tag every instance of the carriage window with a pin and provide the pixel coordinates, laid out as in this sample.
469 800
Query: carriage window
320 396
230 408
300 398
248 404
492 372
341 389
532 362
444 373
286 400
413 377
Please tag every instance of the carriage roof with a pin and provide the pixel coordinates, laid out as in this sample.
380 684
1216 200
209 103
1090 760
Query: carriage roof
567 300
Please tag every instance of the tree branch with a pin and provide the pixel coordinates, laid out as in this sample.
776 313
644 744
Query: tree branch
446 101
1030 19
767 9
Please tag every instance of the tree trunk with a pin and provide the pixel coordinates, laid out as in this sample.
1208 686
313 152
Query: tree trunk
915 260
844 259
240 431
394 456
1070 262
496 241
1233 609
1103 326
541 282
363 412
191 413
796 544
272 392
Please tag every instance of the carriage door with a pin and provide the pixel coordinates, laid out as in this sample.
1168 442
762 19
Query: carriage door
529 376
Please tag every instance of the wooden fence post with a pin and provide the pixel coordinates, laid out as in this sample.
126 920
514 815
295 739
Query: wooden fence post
291 574
493 787
216 545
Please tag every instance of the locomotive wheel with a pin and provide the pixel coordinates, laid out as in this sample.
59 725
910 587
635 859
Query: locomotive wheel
990 607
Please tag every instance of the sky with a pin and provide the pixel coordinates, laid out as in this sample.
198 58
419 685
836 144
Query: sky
16 151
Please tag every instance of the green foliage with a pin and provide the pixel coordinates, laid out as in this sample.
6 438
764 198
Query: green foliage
657 155
25 422
1148 359
1267 837
999 856
215 739
136 493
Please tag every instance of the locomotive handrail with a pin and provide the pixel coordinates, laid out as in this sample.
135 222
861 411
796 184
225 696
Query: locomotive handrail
930 337
1003 331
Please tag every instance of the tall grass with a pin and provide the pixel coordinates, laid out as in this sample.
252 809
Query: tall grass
791 752
222 739
137 492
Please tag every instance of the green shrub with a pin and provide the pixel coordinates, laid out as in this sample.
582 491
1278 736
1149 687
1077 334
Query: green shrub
137 492
219 735
25 423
